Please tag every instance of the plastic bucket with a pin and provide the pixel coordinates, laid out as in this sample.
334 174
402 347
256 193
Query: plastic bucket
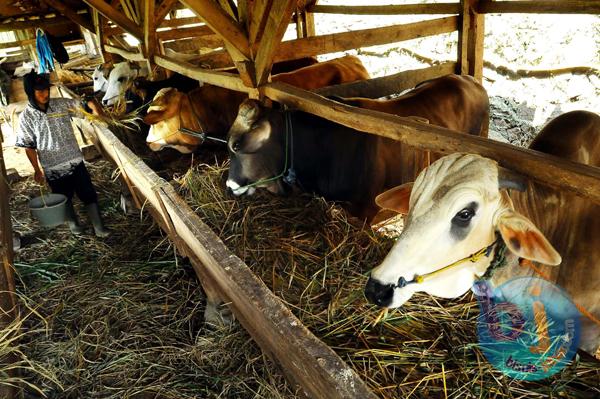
49 210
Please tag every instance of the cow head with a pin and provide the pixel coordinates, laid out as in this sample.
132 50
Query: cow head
119 81
167 112
99 77
257 150
455 208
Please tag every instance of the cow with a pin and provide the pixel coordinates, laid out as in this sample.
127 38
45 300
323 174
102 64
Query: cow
271 148
120 80
212 109
100 77
461 204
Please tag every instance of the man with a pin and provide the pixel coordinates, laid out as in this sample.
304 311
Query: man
46 133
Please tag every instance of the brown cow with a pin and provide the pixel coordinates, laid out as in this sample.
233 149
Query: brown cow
459 205
212 109
336 161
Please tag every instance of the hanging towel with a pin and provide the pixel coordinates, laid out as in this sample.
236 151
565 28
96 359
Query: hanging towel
44 52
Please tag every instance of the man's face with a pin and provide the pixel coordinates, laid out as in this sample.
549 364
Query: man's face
42 96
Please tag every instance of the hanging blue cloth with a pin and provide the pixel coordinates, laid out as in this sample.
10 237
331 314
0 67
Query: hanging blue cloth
44 52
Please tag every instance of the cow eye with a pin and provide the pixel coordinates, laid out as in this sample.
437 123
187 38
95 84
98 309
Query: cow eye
237 145
121 79
463 217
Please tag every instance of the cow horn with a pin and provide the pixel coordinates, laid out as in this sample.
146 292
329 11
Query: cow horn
511 180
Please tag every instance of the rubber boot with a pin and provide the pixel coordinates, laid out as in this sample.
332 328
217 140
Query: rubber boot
71 219
94 214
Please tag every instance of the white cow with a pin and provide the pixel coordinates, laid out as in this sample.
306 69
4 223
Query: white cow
120 79
99 77
459 205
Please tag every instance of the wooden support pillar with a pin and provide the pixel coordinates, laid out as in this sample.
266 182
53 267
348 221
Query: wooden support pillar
149 43
8 300
100 36
470 40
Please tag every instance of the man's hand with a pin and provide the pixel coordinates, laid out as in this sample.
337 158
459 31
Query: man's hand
38 176
95 107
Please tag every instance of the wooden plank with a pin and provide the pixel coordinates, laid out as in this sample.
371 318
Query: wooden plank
540 7
258 19
8 299
115 16
222 24
170 23
128 55
33 24
223 79
194 31
310 363
214 59
470 40
332 43
150 41
403 9
308 23
163 9
100 36
17 43
562 174
277 23
129 11
70 14
387 85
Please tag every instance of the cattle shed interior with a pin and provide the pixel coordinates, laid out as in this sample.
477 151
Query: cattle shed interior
233 44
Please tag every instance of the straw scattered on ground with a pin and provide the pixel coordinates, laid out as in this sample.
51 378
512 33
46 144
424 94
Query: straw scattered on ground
121 317
316 260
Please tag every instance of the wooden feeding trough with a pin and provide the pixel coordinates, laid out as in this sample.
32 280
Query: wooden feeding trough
251 36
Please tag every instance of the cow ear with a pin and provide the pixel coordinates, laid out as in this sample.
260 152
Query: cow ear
395 199
525 240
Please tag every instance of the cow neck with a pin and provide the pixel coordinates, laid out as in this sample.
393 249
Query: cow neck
201 134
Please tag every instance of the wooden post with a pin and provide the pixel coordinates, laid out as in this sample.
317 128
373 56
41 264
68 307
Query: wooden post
470 40
100 36
8 300
149 42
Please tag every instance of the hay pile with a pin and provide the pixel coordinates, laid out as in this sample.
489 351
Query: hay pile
316 261
121 317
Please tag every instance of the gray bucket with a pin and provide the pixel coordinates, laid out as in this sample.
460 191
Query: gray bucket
49 210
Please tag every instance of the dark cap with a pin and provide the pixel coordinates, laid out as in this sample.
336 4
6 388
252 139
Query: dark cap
41 82
33 81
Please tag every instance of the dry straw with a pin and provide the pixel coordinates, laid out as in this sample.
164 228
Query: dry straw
122 317
316 260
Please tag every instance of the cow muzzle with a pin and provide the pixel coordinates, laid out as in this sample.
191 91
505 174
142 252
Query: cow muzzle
379 294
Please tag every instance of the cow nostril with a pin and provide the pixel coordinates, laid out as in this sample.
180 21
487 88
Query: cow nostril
379 294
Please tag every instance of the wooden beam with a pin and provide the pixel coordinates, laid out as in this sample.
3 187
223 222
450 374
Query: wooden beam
306 360
128 55
332 43
277 23
470 40
129 11
387 85
34 23
214 59
222 79
100 36
71 14
222 24
150 41
540 7
403 9
170 23
561 174
258 19
18 43
192 31
162 10
112 14
8 298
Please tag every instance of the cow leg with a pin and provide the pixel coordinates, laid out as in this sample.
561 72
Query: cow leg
216 313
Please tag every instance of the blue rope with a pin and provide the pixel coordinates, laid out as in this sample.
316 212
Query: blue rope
44 52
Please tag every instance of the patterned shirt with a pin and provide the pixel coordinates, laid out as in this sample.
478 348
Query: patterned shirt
51 134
